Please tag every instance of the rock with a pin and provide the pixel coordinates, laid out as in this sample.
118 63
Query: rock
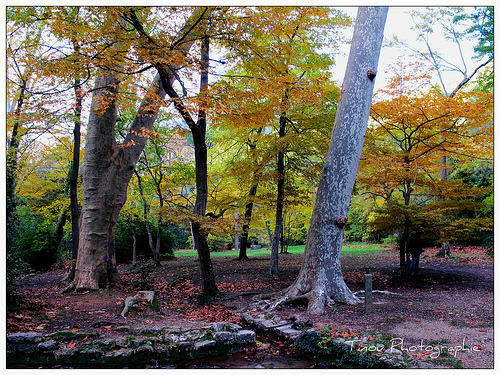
47 345
244 337
121 329
186 345
247 318
145 330
289 332
301 324
109 343
124 352
225 326
205 344
22 337
137 343
393 351
225 337
145 349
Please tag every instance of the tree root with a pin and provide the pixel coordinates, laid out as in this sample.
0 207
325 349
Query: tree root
378 291
318 298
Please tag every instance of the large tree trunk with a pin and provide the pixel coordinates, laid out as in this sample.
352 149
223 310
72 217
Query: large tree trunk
320 280
108 168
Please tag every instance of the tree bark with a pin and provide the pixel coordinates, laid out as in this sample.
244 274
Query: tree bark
246 226
73 181
208 286
278 226
108 168
156 255
198 130
11 169
320 280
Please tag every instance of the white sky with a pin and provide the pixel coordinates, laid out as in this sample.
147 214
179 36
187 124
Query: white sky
399 23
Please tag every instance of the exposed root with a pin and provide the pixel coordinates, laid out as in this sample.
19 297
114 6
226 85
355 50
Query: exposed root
318 298
69 288
378 291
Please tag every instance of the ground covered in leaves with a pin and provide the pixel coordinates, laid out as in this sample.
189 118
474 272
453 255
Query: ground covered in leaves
450 305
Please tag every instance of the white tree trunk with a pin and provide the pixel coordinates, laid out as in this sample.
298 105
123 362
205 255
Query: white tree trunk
320 280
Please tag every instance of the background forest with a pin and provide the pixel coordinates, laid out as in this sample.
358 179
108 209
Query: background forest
270 103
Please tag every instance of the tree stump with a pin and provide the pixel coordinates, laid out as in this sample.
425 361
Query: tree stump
147 296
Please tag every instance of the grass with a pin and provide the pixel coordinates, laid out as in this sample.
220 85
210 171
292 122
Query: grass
348 250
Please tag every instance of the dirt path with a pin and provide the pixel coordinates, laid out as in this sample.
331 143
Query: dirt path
449 305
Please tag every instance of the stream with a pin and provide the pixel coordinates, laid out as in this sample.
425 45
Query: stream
267 355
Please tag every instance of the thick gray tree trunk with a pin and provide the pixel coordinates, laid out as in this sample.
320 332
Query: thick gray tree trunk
108 168
320 280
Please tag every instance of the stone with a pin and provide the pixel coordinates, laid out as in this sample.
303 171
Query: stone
124 352
47 345
394 351
248 318
289 332
137 343
245 337
21 337
121 329
205 344
145 348
226 326
145 330
186 345
225 337
109 343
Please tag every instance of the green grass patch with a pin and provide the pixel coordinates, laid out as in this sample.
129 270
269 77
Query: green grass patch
355 249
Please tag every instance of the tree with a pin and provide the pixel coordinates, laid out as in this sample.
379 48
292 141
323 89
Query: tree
108 166
280 77
320 280
403 151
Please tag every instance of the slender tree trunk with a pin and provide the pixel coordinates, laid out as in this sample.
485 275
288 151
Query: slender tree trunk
73 181
236 229
246 226
320 280
11 170
198 130
208 286
160 221
278 228
146 217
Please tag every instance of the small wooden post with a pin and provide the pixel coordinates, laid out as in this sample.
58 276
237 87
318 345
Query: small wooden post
368 293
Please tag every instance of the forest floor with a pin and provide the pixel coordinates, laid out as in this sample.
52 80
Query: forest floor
449 305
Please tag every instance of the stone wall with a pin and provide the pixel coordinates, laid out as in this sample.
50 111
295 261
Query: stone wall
125 346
